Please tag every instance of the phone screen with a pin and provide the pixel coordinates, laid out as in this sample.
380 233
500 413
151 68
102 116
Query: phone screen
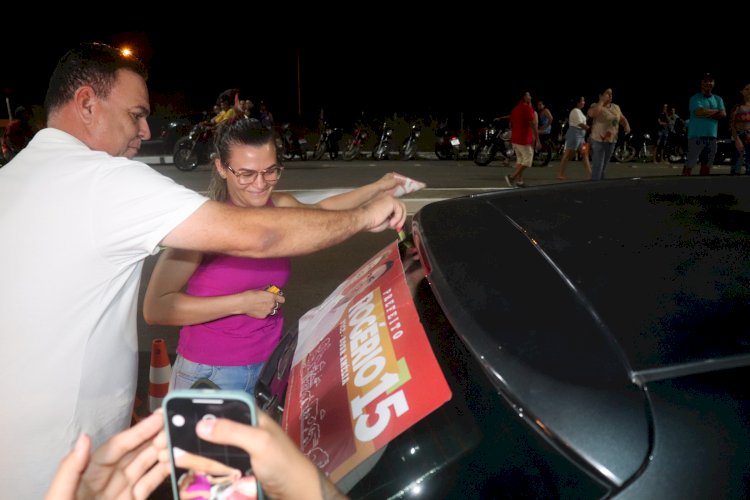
202 469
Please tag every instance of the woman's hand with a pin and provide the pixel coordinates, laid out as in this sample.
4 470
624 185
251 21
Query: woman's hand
259 303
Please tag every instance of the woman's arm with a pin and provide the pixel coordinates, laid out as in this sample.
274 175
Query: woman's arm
351 199
625 124
166 304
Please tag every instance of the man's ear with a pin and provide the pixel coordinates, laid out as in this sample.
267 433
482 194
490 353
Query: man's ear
85 99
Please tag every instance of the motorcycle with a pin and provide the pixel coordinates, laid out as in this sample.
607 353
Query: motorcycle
493 141
553 145
328 142
447 143
627 148
291 144
676 149
385 143
409 146
194 148
354 147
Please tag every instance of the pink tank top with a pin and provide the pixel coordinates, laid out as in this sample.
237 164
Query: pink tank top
239 339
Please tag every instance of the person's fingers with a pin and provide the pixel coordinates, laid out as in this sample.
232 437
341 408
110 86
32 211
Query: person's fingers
129 440
275 457
70 470
398 218
150 481
141 463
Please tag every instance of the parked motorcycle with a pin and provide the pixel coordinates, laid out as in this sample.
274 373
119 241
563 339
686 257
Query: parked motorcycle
447 142
291 144
193 149
409 146
675 150
628 148
385 143
355 145
553 145
494 142
328 142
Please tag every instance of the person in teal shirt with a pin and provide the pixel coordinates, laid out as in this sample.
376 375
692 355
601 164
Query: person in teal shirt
706 109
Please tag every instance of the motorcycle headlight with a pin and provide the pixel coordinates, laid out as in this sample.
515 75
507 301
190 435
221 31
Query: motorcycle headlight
389 132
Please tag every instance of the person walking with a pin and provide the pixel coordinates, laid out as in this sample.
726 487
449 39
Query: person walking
606 118
706 108
524 138
575 139
544 115
74 250
662 134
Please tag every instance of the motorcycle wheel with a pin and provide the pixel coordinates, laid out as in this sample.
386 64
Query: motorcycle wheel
677 155
409 150
624 153
351 152
441 153
484 155
287 154
542 158
184 156
381 151
320 150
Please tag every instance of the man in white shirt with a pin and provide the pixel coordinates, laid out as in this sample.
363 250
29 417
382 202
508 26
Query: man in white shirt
78 218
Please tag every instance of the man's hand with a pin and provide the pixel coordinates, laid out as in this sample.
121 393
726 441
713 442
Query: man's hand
384 212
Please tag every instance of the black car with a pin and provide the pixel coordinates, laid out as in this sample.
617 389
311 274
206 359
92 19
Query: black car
595 338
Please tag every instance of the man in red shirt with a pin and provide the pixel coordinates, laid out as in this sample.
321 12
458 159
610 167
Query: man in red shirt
524 137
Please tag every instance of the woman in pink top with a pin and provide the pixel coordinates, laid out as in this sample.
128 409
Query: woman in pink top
230 323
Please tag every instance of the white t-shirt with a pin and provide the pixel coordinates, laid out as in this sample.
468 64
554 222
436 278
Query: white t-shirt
76 225
576 118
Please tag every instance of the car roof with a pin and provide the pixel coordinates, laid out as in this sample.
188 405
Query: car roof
574 296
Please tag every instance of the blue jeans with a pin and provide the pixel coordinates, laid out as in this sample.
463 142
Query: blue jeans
739 158
601 153
241 378
662 136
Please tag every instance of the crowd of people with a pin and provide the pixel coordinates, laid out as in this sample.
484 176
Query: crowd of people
594 135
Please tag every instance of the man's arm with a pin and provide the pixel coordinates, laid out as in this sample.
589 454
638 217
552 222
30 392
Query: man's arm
277 232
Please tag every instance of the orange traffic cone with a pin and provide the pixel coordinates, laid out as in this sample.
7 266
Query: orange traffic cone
159 374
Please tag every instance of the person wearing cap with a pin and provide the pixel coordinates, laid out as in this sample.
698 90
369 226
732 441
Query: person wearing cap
706 108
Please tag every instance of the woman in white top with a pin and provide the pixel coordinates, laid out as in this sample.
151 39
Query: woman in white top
575 138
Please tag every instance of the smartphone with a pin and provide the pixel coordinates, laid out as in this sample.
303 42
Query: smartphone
200 469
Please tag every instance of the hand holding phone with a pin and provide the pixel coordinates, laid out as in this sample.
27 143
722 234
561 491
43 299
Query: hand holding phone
200 469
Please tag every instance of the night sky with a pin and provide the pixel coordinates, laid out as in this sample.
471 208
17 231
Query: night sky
186 75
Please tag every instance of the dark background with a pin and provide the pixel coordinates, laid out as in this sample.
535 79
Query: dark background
424 75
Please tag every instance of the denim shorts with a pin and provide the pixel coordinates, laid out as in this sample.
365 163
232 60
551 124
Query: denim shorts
241 378
701 149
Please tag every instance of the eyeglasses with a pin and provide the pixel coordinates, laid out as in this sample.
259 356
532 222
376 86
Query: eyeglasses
271 175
